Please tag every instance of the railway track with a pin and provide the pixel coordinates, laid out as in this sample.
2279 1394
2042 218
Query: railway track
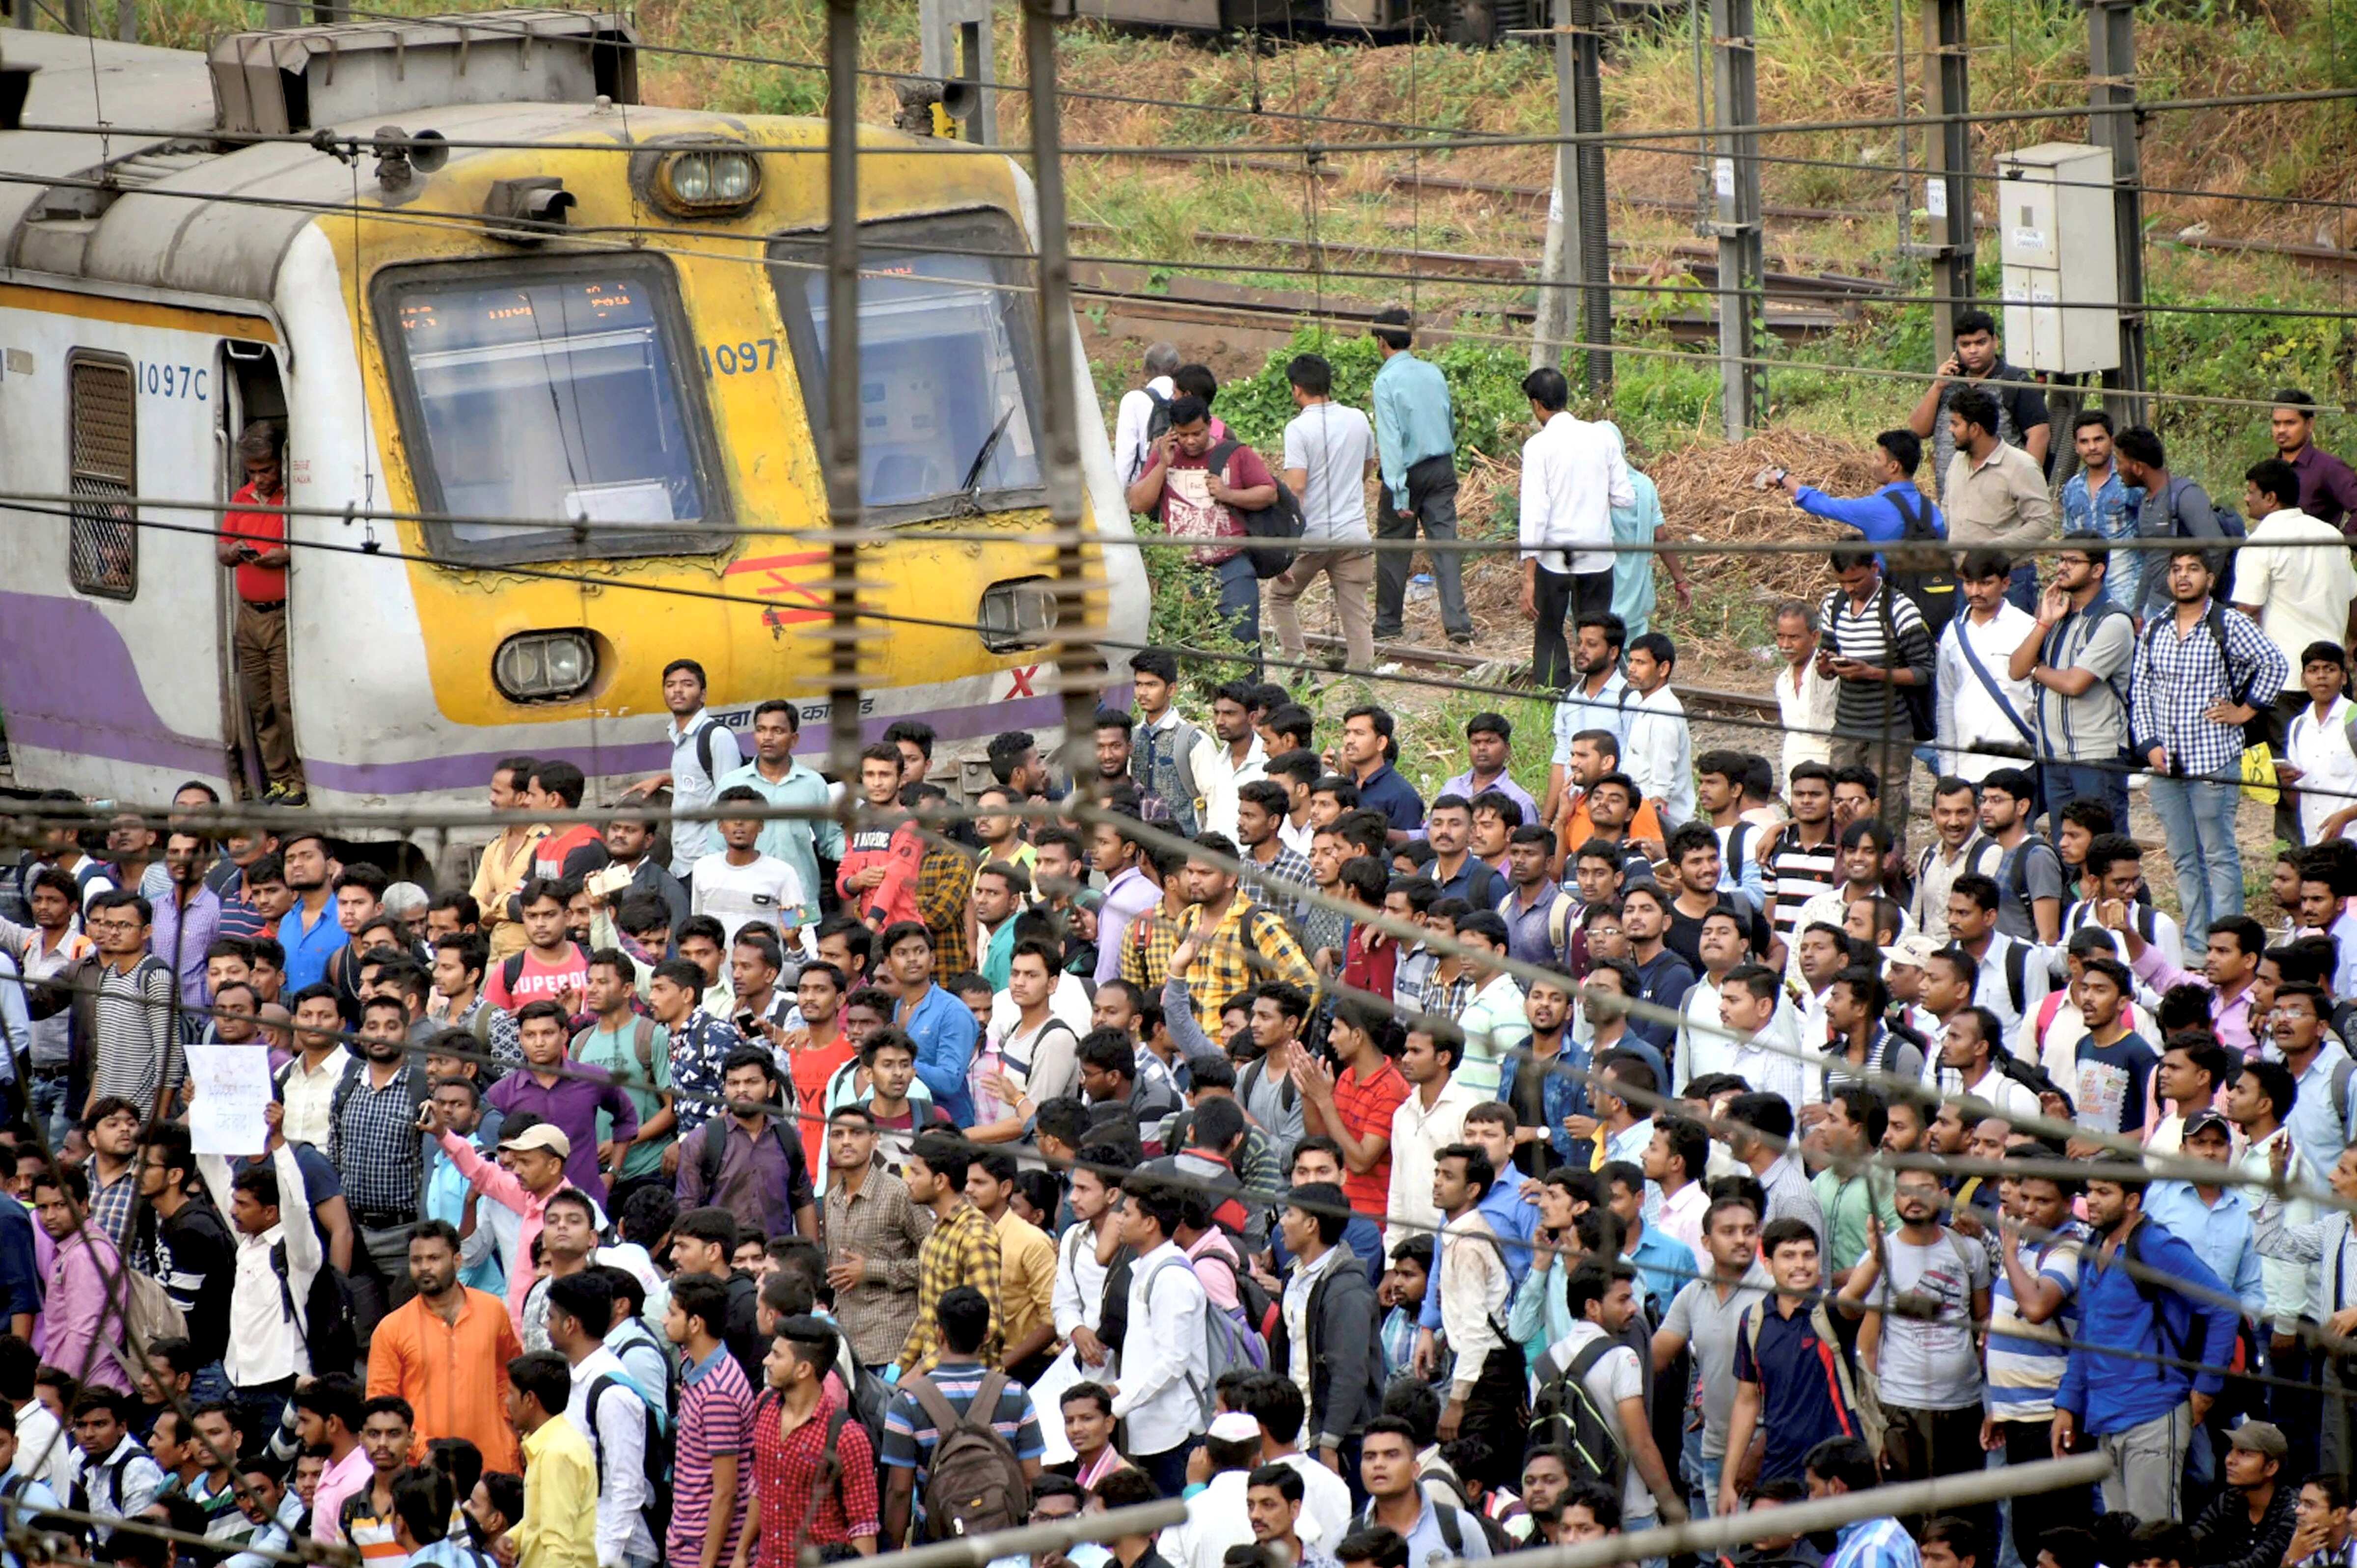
1700 701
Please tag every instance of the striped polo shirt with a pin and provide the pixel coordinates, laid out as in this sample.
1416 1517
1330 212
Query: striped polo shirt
2026 1361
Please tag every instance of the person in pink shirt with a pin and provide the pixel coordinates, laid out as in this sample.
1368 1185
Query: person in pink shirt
538 1153
2230 965
328 1415
81 1322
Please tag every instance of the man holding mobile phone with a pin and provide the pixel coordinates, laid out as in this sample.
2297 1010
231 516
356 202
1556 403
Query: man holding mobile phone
253 544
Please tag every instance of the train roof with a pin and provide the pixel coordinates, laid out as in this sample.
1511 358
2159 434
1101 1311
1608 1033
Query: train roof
130 209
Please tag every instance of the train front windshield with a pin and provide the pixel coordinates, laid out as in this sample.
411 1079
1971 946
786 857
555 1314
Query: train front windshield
948 377
552 392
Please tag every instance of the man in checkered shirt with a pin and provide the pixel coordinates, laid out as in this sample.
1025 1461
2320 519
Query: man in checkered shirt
2197 675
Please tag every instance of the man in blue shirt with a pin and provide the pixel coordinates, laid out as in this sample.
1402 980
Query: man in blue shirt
942 1025
2098 500
1416 444
782 781
1836 1468
1883 517
2214 1220
2171 1310
1367 750
309 931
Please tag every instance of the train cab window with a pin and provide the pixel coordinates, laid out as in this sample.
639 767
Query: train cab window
556 391
949 386
103 552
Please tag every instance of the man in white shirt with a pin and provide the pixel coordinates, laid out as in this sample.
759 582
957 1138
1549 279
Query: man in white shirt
1658 754
1166 1362
1601 1299
267 1205
1236 760
2296 591
607 1410
1573 474
1131 443
1980 702
738 885
1805 695
702 749
1431 1118
1329 455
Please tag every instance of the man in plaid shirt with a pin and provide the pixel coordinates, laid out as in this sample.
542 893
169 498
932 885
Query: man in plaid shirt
1238 943
2197 675
1260 808
964 1248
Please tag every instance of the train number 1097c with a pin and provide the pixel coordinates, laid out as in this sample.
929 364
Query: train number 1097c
173 380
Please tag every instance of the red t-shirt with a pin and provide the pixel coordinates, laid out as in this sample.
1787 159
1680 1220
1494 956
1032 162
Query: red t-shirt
537 979
811 1067
1365 1107
1186 505
258 585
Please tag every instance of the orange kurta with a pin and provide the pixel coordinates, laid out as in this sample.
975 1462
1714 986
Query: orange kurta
454 1376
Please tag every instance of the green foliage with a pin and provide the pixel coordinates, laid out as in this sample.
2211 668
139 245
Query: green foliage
1484 385
1185 613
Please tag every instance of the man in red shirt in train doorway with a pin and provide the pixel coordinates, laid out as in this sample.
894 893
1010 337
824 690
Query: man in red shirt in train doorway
255 543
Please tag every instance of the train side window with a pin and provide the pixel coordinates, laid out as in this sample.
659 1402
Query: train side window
103 473
948 361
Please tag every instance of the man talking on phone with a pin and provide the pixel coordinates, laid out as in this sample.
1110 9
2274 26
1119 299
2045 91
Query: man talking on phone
254 545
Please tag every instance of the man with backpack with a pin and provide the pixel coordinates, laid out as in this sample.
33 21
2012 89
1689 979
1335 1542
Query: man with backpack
113 1476
1794 1381
702 749
1397 1505
279 1311
1143 413
2203 672
2173 507
1925 1288
1877 648
1573 474
566 1097
962 1436
1165 1387
749 1160
813 1464
2146 1291
626 1426
1896 512
1486 1393
2076 663
1591 1397
1197 490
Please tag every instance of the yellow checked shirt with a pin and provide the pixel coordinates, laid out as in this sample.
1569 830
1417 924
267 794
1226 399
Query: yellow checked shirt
964 1250
944 880
560 1500
1146 947
1249 946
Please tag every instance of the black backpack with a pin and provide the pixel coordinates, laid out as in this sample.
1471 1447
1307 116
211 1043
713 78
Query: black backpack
1280 520
1157 421
1566 1413
656 1455
326 1316
1918 559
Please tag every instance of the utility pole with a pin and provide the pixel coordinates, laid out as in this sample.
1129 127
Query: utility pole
1735 178
1948 191
956 51
1578 226
2112 122
843 505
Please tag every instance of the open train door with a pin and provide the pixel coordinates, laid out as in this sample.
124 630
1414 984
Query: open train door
251 389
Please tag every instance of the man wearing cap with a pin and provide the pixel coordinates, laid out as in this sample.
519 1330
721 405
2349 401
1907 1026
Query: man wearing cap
1218 1517
534 1173
2213 1219
2250 1524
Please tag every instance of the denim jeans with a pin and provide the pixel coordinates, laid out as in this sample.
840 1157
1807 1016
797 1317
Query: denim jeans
1702 1478
49 1096
2021 588
2198 815
2064 782
1240 604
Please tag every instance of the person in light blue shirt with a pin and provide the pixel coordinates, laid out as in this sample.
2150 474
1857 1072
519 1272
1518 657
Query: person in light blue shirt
1633 570
1882 518
2216 1220
1416 445
1836 1468
2096 500
447 1192
309 931
777 777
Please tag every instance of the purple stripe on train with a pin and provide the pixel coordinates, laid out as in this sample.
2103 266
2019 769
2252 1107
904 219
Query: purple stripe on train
52 647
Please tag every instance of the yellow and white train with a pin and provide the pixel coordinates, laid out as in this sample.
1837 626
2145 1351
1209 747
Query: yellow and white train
637 376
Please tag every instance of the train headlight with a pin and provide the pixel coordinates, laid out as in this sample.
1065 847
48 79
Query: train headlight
708 180
543 666
1020 614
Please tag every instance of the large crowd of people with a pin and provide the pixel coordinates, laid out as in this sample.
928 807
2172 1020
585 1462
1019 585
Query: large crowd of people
1597 1144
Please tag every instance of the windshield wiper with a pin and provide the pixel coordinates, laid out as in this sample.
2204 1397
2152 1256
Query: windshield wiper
982 459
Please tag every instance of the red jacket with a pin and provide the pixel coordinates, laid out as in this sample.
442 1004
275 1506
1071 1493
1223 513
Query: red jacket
900 849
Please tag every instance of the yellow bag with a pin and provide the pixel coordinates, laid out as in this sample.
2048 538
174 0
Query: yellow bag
2259 775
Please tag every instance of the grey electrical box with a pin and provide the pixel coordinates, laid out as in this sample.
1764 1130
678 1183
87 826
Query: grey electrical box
2057 235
